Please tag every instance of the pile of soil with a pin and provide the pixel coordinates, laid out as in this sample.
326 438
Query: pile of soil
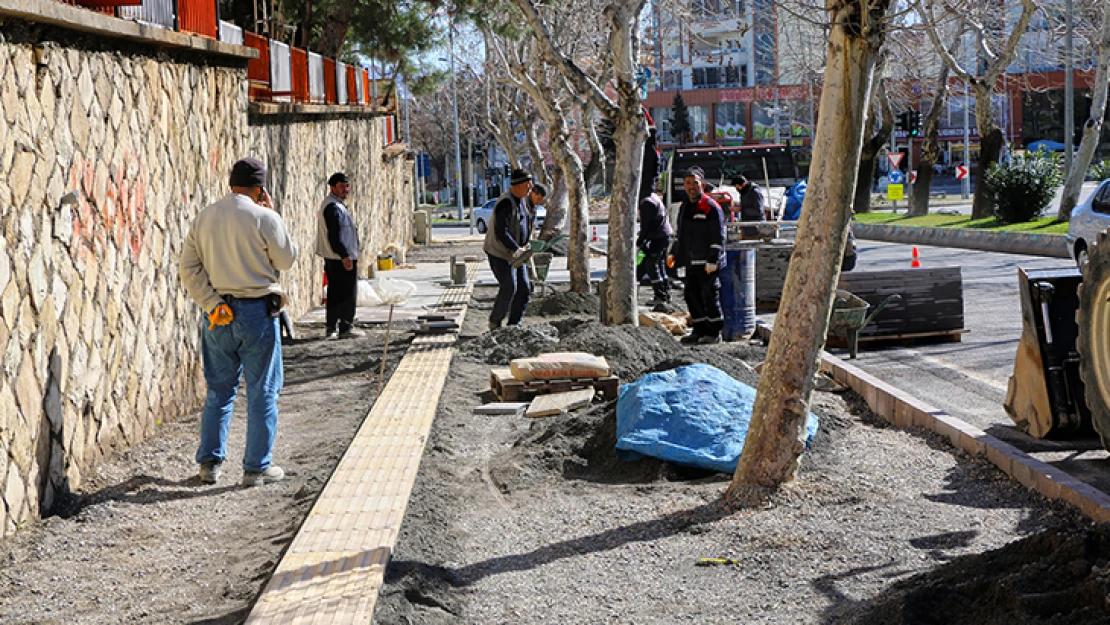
536 521
500 346
564 303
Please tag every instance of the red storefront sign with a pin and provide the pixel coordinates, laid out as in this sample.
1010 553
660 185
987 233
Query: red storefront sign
765 94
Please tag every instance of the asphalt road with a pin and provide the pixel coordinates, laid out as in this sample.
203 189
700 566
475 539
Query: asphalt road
968 379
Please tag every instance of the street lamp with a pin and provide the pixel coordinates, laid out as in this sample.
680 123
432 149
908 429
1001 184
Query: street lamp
455 103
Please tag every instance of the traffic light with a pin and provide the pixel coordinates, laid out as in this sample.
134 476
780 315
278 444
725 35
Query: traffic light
903 122
914 125
508 170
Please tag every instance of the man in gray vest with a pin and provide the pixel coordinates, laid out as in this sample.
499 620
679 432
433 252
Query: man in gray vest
507 248
337 242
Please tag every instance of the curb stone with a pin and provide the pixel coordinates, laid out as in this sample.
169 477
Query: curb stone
1031 243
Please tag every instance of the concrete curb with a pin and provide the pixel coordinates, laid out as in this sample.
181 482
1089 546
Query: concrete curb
905 411
1030 243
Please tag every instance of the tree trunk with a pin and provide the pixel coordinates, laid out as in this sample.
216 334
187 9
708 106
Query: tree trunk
1092 129
861 200
335 27
869 154
578 251
930 148
557 201
628 136
990 150
774 441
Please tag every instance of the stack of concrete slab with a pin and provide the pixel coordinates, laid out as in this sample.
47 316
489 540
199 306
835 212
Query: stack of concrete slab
932 302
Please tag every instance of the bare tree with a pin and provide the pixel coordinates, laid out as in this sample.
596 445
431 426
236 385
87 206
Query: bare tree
996 50
857 30
630 131
1092 128
525 69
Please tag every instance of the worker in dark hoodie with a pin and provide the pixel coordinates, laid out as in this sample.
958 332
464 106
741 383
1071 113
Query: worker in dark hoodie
700 249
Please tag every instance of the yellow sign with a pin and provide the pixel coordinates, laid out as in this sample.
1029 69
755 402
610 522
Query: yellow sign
895 192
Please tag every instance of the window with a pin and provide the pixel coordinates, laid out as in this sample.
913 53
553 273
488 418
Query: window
1101 201
699 124
662 117
672 80
731 125
732 76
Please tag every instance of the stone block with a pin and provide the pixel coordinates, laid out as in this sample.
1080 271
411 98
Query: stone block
9 96
15 492
19 175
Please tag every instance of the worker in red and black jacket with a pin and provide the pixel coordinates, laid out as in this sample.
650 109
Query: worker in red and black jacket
700 248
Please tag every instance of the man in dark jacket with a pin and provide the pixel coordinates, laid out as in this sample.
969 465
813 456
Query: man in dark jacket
508 249
751 204
700 248
654 239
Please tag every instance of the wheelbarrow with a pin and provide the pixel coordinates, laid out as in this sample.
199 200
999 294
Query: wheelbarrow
849 313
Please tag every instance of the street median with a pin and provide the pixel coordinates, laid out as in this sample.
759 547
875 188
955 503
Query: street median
1031 243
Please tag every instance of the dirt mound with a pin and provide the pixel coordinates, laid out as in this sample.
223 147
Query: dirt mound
564 303
1057 576
500 346
630 350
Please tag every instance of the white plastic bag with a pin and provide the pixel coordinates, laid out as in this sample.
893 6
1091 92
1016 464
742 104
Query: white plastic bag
394 291
367 297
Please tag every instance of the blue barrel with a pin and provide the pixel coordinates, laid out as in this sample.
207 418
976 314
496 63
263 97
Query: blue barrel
738 292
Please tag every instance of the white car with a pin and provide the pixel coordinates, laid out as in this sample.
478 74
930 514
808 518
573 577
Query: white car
1088 219
482 216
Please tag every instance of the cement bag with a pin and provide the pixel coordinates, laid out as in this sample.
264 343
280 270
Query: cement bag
670 323
367 297
394 291
696 416
559 365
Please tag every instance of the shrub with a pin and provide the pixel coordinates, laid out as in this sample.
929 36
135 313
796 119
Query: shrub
1024 186
1100 171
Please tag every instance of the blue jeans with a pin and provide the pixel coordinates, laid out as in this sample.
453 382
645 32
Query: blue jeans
248 347
514 291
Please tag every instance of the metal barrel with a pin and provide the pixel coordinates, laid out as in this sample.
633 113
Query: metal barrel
738 291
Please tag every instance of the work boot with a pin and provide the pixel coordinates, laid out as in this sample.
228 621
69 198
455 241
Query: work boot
352 333
709 340
690 339
332 335
493 325
209 472
258 478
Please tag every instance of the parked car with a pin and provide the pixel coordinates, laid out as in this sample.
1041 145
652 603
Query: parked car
1089 218
482 216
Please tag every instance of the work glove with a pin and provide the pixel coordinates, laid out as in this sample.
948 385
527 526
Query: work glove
220 316
710 268
670 261
519 252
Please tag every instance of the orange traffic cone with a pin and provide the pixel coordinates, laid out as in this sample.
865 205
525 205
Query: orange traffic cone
916 259
324 300
593 235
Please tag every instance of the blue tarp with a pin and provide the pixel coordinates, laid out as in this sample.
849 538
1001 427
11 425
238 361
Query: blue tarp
696 416
795 195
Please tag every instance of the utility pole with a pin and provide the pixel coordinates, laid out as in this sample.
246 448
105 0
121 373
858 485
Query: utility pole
455 103
1069 88
966 186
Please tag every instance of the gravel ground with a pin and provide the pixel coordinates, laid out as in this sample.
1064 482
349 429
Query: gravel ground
535 521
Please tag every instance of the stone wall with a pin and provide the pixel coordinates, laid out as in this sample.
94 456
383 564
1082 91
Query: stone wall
100 341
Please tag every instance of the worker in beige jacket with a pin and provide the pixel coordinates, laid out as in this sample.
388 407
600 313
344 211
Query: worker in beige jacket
230 265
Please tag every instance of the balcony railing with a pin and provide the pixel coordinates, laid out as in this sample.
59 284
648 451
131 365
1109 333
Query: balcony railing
280 73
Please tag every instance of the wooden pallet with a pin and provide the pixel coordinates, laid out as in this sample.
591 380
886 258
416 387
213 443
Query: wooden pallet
940 336
508 388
